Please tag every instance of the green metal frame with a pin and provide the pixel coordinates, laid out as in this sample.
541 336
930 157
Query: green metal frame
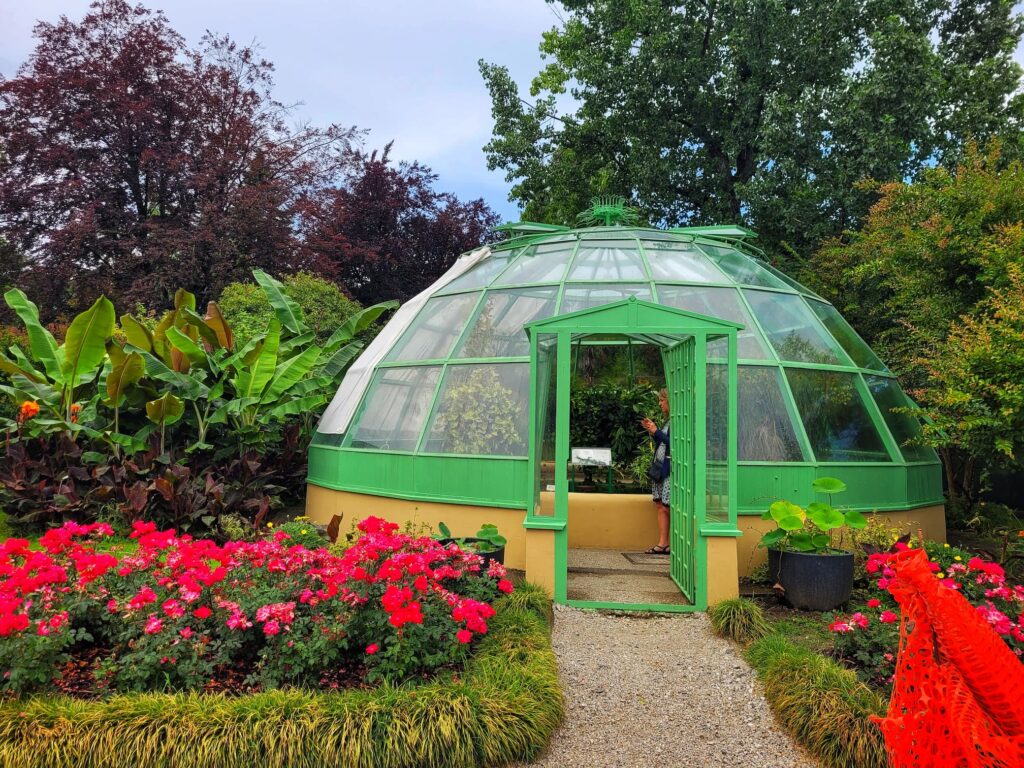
501 481
674 330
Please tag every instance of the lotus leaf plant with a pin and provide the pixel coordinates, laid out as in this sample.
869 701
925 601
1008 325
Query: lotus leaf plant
810 529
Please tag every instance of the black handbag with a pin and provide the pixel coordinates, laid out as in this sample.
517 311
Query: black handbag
656 471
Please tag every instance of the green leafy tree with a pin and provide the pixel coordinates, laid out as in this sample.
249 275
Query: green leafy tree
918 283
761 112
324 306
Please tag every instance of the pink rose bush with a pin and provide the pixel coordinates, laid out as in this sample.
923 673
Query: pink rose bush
869 639
180 612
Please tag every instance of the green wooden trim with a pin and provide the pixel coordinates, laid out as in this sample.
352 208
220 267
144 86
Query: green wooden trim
732 429
388 493
544 523
710 531
596 605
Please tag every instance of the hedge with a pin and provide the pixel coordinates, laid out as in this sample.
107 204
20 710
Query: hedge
503 707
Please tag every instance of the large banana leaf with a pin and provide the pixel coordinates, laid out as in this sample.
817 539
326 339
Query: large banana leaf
232 408
208 334
187 386
183 299
287 345
252 383
339 360
85 342
186 346
289 314
138 335
290 372
359 322
294 407
41 341
13 369
129 370
215 320
165 410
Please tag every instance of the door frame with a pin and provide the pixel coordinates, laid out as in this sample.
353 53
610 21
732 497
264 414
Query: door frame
665 327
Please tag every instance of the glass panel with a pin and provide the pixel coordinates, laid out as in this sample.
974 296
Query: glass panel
498 329
435 328
579 297
723 303
393 413
608 260
740 267
544 263
836 419
680 261
843 332
717 426
327 438
794 331
482 410
482 273
764 428
544 432
789 280
903 426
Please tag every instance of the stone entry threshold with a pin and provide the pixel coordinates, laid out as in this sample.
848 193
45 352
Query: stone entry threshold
612 576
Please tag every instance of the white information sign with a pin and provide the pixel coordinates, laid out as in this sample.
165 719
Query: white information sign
592 457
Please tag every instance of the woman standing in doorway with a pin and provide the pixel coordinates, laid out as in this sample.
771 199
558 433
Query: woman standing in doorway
659 474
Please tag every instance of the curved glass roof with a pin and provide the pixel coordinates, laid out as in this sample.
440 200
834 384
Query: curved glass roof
809 388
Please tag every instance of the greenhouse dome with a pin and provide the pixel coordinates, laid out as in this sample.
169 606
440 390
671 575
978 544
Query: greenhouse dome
455 410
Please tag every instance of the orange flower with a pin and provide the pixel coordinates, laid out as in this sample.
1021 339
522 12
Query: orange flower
75 410
28 409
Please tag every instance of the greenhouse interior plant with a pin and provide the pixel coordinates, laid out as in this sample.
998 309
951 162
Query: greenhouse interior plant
804 559
488 542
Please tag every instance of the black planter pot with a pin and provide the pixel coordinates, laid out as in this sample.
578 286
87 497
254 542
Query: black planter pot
498 555
812 582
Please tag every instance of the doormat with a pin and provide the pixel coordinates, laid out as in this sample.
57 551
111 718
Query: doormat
642 558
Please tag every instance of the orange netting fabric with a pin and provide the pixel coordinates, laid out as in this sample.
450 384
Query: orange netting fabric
958 695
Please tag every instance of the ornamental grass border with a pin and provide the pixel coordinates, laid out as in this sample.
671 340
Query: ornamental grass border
820 703
503 707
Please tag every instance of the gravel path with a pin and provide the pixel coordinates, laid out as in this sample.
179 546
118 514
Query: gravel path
659 691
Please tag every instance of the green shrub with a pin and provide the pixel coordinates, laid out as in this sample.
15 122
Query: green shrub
822 705
324 306
303 532
739 619
503 708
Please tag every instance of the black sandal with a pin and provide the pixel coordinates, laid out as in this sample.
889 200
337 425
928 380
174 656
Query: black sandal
657 549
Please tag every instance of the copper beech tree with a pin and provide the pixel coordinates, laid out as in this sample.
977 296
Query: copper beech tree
133 164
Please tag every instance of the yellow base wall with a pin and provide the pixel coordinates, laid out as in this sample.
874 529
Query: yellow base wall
931 521
463 520
596 521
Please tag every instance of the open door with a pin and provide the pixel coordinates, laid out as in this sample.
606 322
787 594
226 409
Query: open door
680 378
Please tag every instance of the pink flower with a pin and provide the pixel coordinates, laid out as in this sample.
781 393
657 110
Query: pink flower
186 632
372 648
840 626
874 602
144 596
112 606
887 617
463 635
271 628
859 620
153 625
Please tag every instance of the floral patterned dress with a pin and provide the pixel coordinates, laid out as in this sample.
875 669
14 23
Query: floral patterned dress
661 489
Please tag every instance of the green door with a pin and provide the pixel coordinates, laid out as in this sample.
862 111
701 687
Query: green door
679 377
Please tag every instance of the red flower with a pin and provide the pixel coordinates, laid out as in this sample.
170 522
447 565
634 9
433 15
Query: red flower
372 648
463 635
153 625
887 617
874 602
271 628
505 586
859 620
202 612
840 626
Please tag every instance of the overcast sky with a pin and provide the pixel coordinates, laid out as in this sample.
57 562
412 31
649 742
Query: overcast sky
404 69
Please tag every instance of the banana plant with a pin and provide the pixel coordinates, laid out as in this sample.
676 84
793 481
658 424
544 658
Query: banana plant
54 373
